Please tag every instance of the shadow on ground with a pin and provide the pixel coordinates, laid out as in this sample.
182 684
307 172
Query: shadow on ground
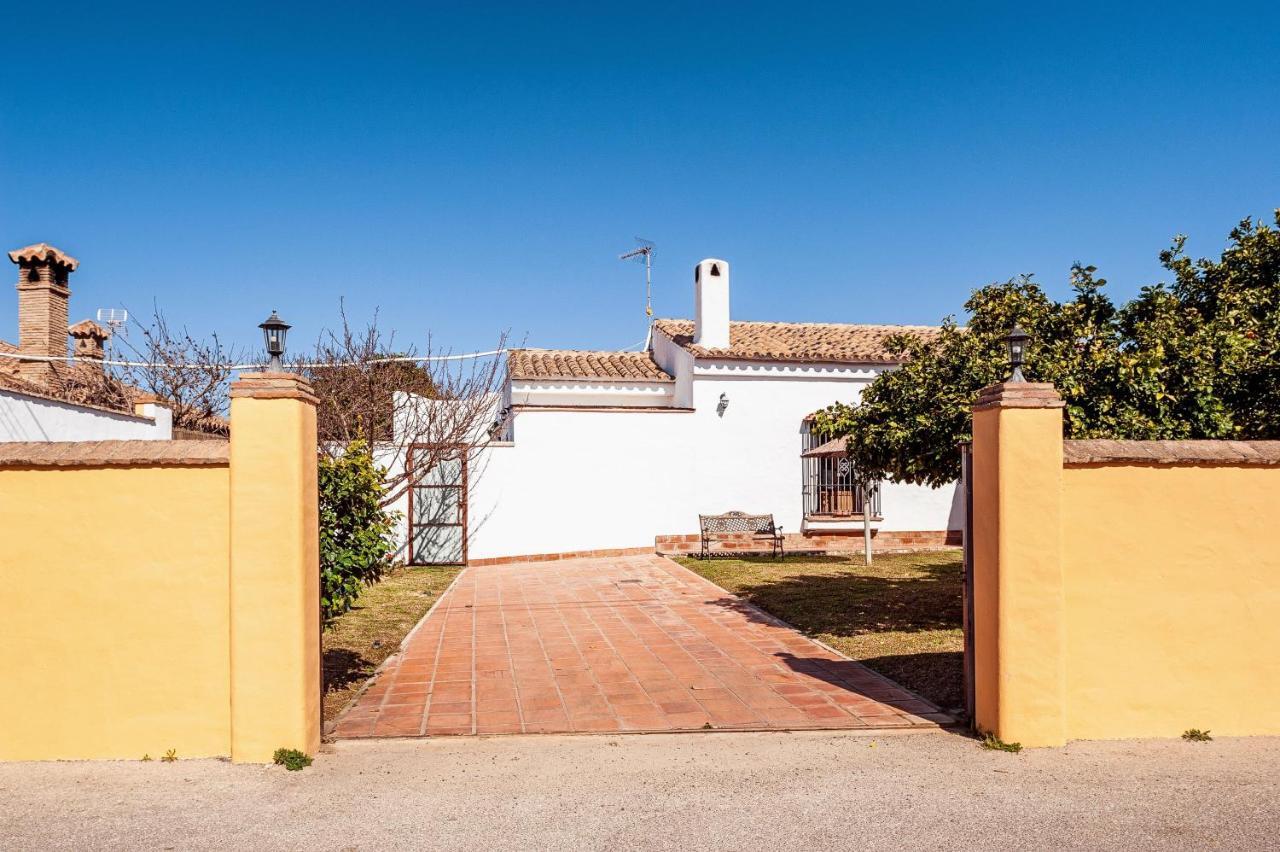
891 616
343 667
858 678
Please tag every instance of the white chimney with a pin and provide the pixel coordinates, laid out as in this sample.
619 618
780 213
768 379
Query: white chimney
711 294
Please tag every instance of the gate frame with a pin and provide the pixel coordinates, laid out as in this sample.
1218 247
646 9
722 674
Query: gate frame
464 500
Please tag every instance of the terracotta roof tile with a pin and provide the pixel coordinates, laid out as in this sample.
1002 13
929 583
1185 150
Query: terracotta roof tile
1098 451
99 453
797 341
88 328
834 447
12 382
534 364
44 251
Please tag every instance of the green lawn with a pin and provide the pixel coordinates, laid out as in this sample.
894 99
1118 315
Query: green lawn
901 616
357 642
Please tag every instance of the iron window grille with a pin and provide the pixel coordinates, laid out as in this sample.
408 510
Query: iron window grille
830 486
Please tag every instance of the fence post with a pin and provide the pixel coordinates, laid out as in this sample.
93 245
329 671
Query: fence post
1019 635
275 596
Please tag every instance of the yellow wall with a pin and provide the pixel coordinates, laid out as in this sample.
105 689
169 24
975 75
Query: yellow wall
275 580
1018 598
147 607
1172 589
114 612
1118 599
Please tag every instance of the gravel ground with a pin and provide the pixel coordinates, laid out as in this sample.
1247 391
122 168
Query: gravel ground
671 791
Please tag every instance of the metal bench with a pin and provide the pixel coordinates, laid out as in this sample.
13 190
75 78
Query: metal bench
738 525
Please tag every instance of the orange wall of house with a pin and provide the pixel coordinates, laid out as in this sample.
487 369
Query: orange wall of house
1171 585
114 613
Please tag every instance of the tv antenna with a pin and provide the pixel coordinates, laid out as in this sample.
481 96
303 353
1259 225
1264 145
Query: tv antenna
114 319
644 252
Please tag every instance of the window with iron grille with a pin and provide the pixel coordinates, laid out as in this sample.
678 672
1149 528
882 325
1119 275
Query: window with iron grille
830 486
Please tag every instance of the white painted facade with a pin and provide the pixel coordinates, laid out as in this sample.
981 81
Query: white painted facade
598 464
26 417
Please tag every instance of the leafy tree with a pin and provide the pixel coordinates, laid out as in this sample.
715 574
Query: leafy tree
1199 358
356 533
367 392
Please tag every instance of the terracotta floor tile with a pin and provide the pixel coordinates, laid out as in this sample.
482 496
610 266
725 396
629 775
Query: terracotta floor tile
447 692
489 719
596 723
400 711
613 644
543 714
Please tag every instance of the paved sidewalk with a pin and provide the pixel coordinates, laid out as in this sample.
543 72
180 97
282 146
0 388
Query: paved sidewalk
814 791
633 643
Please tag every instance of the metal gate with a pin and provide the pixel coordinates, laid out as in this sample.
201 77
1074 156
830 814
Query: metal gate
966 475
437 506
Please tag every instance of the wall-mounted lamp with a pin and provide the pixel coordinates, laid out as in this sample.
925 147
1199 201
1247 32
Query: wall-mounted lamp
724 403
274 331
1016 343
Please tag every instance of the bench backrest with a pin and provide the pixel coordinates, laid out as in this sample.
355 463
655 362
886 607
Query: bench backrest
736 522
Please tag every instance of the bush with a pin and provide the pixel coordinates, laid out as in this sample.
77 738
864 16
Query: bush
356 533
291 759
993 743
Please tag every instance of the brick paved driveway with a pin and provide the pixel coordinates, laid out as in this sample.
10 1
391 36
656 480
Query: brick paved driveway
631 643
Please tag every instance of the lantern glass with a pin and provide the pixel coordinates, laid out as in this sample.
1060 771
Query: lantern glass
1015 344
274 331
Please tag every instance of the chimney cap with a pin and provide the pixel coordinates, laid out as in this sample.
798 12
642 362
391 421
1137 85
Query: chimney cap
88 328
46 253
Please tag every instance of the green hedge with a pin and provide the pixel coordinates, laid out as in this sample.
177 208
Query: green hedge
356 533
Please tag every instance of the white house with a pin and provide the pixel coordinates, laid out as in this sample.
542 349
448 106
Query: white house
30 416
612 451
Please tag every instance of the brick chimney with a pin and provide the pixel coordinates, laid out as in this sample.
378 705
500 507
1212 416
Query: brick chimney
711 312
90 340
42 306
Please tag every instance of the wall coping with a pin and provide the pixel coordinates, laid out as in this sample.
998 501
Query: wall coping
1018 395
181 453
1100 451
269 385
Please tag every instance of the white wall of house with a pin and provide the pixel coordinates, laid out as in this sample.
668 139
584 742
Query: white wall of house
749 457
583 393
32 418
589 479
581 480
577 470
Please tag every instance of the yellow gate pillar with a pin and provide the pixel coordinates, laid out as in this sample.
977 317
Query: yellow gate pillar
275 568
1019 665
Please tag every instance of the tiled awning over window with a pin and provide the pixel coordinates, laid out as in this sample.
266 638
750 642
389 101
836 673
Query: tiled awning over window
834 447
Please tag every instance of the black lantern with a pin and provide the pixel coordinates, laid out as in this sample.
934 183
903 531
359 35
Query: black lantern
274 330
1016 343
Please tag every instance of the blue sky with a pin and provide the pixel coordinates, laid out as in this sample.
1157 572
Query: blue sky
469 169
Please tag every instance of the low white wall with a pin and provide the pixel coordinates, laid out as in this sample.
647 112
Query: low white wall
33 418
581 480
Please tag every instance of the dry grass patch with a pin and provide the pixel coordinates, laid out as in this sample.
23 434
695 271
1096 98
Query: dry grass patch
357 642
901 615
